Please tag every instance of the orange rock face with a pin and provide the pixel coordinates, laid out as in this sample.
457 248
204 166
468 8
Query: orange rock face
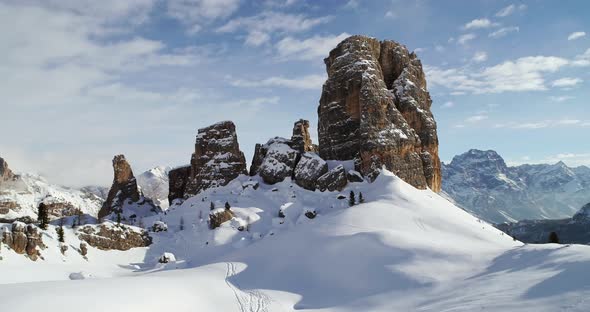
375 109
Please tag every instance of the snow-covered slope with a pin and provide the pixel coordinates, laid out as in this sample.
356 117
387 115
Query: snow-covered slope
24 195
402 250
154 185
482 183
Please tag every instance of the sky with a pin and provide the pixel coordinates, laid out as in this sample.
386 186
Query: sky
85 80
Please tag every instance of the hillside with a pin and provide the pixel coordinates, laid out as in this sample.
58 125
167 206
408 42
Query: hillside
403 249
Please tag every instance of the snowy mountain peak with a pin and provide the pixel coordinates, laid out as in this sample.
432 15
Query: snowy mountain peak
488 160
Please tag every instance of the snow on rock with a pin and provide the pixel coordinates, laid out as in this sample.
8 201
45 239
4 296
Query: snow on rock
154 185
167 257
111 236
309 168
159 226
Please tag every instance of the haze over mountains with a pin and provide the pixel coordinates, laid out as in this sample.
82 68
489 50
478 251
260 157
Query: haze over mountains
482 183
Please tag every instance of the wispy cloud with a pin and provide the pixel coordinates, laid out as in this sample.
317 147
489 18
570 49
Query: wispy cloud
464 39
543 124
561 98
313 48
480 56
566 82
503 32
196 13
479 23
511 9
305 82
576 35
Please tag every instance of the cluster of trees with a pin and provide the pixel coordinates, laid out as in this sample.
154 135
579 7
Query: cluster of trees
352 199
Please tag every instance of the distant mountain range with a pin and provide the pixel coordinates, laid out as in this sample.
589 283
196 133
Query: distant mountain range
481 183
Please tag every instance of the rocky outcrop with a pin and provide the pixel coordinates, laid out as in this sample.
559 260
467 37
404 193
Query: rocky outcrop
124 187
124 196
301 139
108 236
23 239
309 168
177 180
333 180
277 160
6 175
217 159
216 218
375 109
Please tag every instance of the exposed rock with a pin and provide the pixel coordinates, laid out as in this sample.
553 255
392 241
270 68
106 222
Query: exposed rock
23 239
217 159
177 180
6 174
217 217
108 236
83 249
159 226
375 109
124 187
333 180
301 139
167 257
309 168
6 205
354 176
311 214
278 160
63 248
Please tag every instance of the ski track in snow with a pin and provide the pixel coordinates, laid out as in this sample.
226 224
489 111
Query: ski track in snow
248 301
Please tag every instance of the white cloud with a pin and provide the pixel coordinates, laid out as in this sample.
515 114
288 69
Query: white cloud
448 104
480 56
314 48
305 82
390 14
439 48
566 82
463 39
196 13
576 35
523 74
261 26
562 98
352 4
476 118
503 32
543 124
509 10
479 23
582 59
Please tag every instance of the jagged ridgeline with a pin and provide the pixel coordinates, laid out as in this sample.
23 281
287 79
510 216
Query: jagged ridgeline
374 112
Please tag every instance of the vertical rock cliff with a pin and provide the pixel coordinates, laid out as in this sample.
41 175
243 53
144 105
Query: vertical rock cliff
375 109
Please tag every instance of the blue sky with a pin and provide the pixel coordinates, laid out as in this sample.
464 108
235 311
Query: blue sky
85 80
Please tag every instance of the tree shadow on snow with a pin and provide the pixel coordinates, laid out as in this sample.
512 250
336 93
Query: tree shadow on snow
326 271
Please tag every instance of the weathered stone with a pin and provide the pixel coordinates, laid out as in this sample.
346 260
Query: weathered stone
309 168
333 180
354 176
6 175
108 236
178 178
301 139
83 249
375 109
216 218
159 226
124 187
217 159
279 160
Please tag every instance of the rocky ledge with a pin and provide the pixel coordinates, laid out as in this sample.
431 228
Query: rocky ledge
109 236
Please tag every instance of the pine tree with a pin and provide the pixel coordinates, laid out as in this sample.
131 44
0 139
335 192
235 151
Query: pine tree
118 217
181 223
60 231
79 217
212 206
227 206
553 239
361 199
43 216
248 221
351 199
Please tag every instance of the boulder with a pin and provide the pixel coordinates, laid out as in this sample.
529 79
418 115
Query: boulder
159 226
217 159
333 180
375 109
219 216
354 176
167 257
309 168
279 160
83 249
108 236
